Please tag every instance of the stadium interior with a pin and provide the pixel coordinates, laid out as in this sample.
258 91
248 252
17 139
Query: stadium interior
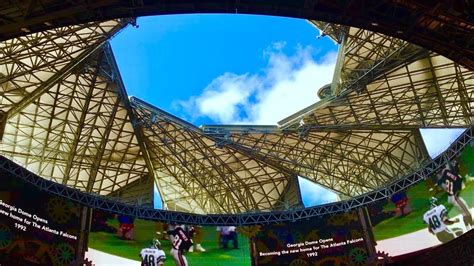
65 115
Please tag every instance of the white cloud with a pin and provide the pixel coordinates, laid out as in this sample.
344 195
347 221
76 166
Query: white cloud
222 99
296 82
286 85
314 194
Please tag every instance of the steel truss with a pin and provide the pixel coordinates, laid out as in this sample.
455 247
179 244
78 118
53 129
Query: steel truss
348 162
365 55
72 126
430 92
65 114
196 174
102 203
32 64
336 32
444 27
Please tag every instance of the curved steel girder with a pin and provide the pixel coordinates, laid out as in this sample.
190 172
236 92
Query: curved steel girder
445 27
107 204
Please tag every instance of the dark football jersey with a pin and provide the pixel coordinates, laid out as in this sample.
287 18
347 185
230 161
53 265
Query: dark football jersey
180 239
452 182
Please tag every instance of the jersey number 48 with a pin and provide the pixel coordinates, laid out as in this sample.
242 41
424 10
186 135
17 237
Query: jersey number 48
149 260
434 222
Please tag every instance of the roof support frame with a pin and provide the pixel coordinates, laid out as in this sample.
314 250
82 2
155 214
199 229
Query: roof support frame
72 65
134 120
77 134
271 161
231 135
208 192
221 174
102 203
402 55
443 28
465 99
101 147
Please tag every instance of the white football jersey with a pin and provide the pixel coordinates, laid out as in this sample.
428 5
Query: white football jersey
151 256
435 218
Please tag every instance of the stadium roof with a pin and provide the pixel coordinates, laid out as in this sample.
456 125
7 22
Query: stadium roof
66 117
381 82
444 27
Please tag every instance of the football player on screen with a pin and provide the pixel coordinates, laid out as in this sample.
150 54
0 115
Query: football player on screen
451 182
180 242
154 255
438 221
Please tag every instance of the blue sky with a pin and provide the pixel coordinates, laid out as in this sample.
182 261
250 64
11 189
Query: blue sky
169 60
232 69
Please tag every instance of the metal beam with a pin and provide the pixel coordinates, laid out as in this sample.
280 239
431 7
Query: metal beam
3 123
7 167
122 93
336 32
277 163
441 27
100 151
209 193
77 135
242 138
369 71
72 65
